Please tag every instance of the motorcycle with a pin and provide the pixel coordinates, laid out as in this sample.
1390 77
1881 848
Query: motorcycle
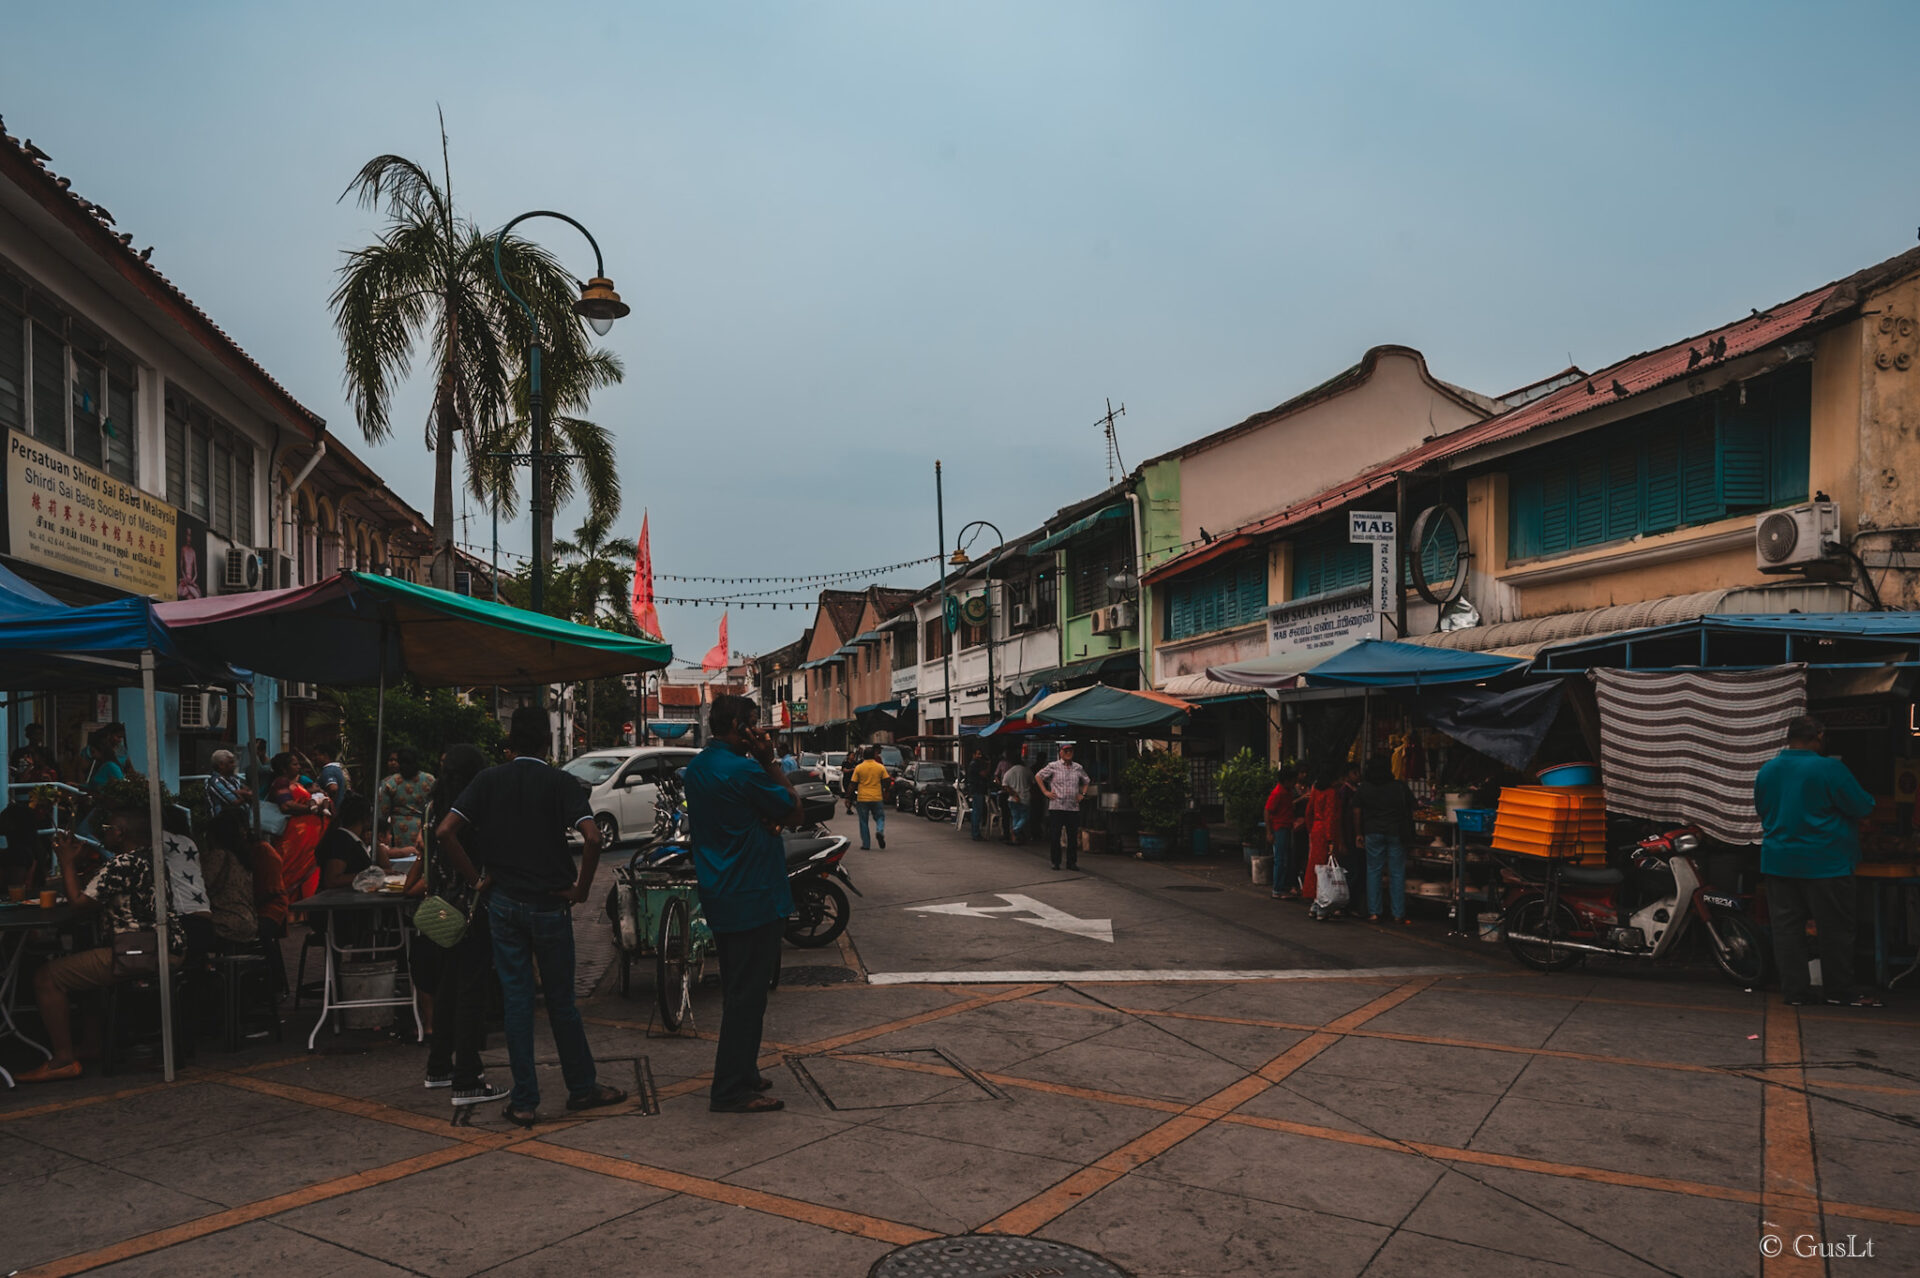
1558 914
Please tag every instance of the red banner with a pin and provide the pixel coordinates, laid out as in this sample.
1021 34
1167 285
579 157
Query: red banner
716 658
644 614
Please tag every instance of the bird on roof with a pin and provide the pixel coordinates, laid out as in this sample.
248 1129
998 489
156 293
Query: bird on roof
34 153
103 215
1590 389
1206 537
125 238
1718 347
146 252
63 183
1618 389
1756 311
1693 356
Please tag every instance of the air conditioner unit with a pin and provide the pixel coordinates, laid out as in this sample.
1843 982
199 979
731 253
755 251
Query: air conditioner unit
1102 620
202 710
1123 616
292 690
1022 615
1793 539
243 569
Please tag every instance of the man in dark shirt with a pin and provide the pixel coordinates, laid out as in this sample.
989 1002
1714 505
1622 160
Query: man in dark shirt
736 793
517 816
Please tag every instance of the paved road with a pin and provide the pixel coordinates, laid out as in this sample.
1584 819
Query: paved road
938 905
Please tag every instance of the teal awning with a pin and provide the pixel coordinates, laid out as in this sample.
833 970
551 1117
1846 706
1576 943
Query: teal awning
866 636
1079 526
817 662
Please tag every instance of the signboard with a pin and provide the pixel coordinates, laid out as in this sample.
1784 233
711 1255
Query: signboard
68 516
905 679
1321 627
1376 527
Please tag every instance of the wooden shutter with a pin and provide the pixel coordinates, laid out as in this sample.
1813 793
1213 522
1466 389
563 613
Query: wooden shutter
1662 503
1556 510
1623 490
1523 515
1590 498
1746 468
1699 472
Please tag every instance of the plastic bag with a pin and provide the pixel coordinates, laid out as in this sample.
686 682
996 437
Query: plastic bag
371 879
1332 893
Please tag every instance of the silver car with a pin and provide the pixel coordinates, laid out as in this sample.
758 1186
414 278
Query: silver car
621 786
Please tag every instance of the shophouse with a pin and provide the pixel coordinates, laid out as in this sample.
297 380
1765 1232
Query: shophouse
147 453
849 667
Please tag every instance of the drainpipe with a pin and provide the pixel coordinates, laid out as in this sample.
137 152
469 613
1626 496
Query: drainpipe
301 478
1139 587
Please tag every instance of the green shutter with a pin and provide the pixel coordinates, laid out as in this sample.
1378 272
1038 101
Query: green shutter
1590 498
1556 510
1699 472
1623 490
1745 438
1523 515
1662 503
1792 436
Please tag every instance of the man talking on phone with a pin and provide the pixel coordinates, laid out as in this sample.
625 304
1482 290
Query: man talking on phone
737 797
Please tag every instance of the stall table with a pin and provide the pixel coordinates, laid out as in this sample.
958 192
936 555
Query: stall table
1880 877
18 921
335 902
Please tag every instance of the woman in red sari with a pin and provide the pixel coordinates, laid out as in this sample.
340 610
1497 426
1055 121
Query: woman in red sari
1325 818
299 874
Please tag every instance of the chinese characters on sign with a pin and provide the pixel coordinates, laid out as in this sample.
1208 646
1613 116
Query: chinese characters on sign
1377 528
68 516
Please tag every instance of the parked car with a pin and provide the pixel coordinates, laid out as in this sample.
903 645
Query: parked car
839 762
622 784
921 778
832 765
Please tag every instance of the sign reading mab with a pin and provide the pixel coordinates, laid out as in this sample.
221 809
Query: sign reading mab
1377 527
1321 627
68 516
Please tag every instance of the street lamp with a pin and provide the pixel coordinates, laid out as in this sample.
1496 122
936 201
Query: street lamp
961 559
599 306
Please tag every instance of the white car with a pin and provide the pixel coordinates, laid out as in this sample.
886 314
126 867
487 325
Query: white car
832 764
622 784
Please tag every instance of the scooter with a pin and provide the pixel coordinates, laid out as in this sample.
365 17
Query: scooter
1558 914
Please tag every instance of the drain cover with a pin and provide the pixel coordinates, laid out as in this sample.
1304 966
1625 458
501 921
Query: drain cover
991 1256
1191 887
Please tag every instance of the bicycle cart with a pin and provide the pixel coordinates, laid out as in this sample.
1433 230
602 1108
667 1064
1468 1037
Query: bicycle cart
655 904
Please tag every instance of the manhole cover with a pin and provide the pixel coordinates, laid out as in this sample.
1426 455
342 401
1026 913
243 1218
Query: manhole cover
1192 887
817 975
991 1256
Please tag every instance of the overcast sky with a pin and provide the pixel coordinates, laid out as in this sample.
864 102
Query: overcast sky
858 237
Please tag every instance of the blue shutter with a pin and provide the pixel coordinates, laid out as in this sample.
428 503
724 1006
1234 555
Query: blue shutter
1590 498
1556 510
1746 469
1792 436
1699 477
1250 603
1662 479
1623 491
1523 515
1180 611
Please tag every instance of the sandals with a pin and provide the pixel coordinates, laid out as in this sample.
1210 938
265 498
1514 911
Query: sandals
600 1097
48 1072
521 1117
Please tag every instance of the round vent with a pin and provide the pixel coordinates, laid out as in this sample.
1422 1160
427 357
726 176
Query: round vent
1779 534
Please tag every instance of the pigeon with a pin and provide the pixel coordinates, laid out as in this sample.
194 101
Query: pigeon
1719 347
146 252
1693 356
34 153
1618 389
63 183
103 215
1590 389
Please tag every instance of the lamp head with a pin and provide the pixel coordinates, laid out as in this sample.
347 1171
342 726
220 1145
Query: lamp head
599 305
960 558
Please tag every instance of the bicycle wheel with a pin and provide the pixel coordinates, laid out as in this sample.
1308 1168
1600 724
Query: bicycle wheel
673 965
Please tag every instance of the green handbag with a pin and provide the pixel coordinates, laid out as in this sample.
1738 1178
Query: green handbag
440 921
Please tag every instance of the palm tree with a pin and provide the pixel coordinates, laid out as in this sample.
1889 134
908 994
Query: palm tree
585 457
429 281
595 570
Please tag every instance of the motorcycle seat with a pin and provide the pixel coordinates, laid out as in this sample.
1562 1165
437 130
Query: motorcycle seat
1590 876
801 849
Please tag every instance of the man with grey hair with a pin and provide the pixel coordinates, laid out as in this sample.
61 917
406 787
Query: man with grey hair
225 789
1809 807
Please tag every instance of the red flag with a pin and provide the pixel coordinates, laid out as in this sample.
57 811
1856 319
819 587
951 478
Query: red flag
644 614
716 658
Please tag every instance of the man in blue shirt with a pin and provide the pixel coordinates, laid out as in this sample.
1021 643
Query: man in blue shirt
1809 805
737 794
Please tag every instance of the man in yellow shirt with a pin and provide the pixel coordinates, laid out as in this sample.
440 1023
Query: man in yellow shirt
868 786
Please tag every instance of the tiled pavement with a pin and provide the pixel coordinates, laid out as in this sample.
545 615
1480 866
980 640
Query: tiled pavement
1475 1125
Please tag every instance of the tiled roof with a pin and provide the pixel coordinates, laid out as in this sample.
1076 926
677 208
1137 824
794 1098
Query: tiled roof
1635 375
26 166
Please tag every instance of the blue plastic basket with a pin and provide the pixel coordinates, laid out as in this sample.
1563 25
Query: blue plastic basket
1476 820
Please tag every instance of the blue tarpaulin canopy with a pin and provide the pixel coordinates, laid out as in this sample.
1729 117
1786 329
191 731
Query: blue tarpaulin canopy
47 646
1735 640
1382 663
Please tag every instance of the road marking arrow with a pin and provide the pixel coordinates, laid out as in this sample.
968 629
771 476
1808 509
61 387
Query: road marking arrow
1024 909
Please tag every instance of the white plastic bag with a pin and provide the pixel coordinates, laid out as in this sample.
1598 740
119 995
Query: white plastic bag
1332 894
371 879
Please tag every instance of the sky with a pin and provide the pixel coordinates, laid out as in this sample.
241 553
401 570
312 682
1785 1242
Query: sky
860 237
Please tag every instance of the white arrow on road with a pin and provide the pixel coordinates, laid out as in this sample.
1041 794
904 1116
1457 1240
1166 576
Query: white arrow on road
1019 908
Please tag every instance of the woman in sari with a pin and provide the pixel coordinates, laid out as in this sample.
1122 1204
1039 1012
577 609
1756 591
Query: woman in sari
305 825
403 799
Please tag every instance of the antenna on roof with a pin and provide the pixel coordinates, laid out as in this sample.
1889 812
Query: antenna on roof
1115 467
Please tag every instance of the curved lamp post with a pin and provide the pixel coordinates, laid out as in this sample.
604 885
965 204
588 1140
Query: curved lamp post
600 306
961 559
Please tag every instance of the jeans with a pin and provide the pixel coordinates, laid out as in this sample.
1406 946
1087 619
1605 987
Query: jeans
1831 903
878 813
1387 852
524 935
746 969
1061 822
460 1006
1283 859
977 811
1017 820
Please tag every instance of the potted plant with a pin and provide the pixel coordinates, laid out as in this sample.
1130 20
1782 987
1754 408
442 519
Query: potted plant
1243 783
1158 782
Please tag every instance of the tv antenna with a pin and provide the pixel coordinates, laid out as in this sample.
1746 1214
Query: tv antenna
1115 467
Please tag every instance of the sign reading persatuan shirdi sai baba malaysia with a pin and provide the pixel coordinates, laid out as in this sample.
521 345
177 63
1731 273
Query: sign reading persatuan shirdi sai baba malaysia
68 516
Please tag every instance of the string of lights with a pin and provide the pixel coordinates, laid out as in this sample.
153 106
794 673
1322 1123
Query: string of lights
804 579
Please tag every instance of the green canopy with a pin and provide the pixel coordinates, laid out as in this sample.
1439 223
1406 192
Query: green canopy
1079 526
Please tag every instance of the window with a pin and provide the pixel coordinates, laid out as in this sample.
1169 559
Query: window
905 648
1038 595
1692 463
1325 561
1090 562
1227 595
971 635
935 644
62 383
209 468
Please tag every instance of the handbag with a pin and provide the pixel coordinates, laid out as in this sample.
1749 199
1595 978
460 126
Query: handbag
440 921
136 954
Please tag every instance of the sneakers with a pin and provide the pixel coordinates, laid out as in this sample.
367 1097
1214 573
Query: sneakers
478 1095
1858 1000
883 839
438 1080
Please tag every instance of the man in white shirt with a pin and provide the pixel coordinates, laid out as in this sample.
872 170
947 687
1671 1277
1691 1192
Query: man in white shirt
1063 782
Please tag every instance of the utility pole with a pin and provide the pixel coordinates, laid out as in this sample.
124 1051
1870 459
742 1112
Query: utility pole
946 638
